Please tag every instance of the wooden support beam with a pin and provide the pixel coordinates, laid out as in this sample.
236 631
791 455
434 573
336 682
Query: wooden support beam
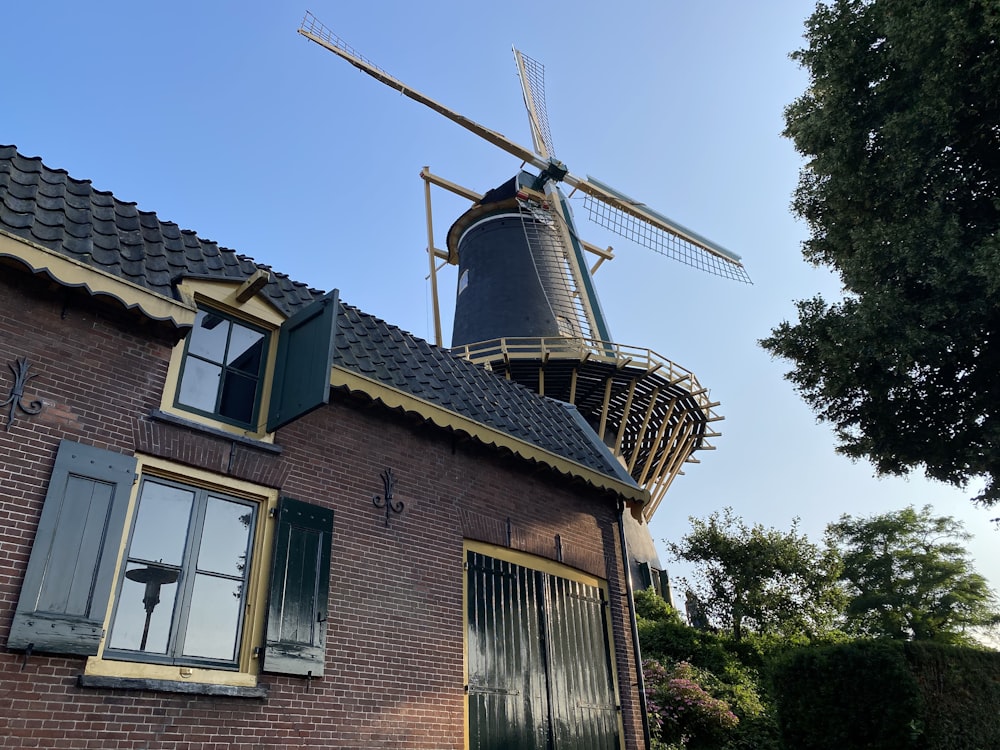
642 430
453 187
604 408
430 257
648 465
253 284
625 415
667 478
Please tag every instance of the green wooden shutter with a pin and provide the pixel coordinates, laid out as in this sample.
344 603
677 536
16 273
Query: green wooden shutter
70 572
645 577
508 694
539 661
300 583
301 380
663 588
584 704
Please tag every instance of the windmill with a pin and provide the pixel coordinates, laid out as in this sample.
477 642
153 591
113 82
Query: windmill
526 305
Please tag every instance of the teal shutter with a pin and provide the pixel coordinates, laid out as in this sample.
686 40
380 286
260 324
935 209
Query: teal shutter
70 572
300 584
645 576
301 380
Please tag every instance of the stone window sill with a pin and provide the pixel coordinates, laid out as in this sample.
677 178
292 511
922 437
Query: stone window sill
171 686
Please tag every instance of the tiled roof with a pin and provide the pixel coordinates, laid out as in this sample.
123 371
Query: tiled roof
71 217
68 216
380 351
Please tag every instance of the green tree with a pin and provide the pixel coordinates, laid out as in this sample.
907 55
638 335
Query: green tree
900 129
768 580
908 576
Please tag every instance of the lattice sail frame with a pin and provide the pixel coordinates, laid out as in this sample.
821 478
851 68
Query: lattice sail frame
547 246
649 235
532 75
315 31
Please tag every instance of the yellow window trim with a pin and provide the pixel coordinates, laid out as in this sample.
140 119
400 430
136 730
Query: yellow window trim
257 584
222 295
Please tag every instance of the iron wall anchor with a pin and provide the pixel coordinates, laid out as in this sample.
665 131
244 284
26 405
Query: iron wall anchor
16 398
385 500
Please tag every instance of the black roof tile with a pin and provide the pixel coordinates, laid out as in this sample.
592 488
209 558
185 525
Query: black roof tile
69 216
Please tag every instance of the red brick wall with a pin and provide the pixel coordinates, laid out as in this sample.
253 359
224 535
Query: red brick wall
394 644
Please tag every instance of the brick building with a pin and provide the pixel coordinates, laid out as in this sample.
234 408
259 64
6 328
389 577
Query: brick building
239 512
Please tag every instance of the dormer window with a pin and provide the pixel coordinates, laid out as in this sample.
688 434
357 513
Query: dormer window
223 369
245 367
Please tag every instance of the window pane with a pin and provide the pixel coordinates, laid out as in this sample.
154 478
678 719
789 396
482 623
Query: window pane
213 618
246 347
238 394
199 384
161 523
145 609
209 335
225 537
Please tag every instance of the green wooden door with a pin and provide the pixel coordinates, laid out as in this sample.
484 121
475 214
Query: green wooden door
538 661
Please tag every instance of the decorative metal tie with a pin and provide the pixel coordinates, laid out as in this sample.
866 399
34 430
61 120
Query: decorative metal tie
15 400
385 500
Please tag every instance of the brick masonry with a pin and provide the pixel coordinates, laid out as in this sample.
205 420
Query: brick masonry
394 647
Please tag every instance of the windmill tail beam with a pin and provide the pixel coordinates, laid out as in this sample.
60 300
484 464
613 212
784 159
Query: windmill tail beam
452 187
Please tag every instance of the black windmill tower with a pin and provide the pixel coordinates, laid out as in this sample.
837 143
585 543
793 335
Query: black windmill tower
526 304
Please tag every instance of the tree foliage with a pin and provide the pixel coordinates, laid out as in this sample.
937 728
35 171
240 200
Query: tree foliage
768 580
900 127
908 576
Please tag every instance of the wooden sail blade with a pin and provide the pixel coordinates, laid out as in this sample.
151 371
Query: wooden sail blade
315 31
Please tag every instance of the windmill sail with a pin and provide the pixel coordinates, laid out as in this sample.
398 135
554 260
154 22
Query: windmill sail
532 76
728 264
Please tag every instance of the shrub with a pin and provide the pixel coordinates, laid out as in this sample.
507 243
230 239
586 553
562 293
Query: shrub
960 687
681 711
858 695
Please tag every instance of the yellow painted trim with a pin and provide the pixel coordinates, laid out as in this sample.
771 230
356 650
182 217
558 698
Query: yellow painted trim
222 295
73 273
133 669
534 562
394 398
257 582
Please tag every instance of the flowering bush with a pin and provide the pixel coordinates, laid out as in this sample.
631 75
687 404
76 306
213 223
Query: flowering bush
681 712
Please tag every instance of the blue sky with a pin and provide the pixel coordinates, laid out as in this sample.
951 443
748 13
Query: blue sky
218 116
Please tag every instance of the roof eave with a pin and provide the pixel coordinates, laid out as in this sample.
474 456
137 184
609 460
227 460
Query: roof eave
74 274
393 398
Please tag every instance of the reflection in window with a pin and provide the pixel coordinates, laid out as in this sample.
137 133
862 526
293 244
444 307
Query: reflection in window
181 598
223 365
